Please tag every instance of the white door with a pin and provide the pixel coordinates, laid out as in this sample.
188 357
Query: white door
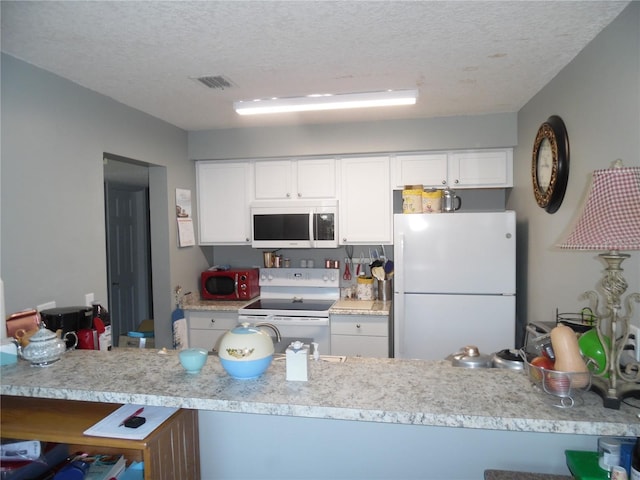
481 169
429 170
455 253
274 180
316 178
430 327
365 203
223 202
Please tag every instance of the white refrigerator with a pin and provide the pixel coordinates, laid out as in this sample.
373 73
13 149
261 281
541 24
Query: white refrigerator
454 283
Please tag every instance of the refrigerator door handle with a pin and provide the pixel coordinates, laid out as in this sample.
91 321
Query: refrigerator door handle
398 300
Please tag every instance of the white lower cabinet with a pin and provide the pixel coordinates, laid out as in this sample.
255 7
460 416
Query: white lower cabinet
207 327
360 335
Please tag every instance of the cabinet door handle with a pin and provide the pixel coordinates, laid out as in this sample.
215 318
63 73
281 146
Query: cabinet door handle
213 320
444 182
357 325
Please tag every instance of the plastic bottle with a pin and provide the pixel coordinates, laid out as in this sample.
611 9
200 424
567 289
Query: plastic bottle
635 461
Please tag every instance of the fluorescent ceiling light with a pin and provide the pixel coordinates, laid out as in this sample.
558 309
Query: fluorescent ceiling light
326 102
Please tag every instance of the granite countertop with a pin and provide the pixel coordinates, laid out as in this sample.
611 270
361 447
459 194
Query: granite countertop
341 307
413 392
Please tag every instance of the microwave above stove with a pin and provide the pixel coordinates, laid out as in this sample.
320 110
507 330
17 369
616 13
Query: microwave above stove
231 284
294 224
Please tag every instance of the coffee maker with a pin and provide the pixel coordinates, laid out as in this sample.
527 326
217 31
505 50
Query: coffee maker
68 319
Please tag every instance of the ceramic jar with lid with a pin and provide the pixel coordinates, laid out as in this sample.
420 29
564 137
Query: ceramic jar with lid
246 351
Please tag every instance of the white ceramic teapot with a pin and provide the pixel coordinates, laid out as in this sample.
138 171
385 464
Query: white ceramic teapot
45 347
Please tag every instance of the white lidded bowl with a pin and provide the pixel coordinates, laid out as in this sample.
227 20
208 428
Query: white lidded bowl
246 351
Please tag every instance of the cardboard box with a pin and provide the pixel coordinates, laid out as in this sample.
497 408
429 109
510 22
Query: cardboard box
125 341
145 340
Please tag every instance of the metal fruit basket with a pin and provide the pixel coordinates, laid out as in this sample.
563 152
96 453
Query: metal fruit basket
562 389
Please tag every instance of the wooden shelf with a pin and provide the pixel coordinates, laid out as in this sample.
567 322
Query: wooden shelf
171 451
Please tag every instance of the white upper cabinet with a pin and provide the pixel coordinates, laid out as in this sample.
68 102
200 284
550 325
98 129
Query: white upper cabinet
490 168
295 179
457 169
365 204
421 169
224 193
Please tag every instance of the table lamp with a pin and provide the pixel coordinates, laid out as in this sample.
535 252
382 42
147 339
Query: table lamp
610 221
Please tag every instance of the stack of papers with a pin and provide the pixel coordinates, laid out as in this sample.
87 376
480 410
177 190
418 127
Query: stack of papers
110 425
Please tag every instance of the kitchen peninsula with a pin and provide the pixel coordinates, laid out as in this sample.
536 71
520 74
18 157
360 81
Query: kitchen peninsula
364 418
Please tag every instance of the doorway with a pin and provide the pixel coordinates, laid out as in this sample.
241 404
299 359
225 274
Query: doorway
129 272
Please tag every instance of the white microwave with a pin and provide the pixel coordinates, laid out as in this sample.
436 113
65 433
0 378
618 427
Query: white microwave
294 224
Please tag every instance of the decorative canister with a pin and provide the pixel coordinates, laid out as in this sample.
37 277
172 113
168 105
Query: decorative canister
432 201
246 351
412 199
364 288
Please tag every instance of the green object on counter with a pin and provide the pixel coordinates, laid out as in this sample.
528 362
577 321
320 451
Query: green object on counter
584 465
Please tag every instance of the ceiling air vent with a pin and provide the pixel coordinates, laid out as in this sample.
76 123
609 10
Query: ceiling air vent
215 82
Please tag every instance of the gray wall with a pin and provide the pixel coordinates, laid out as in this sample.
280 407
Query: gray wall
481 131
54 134
598 97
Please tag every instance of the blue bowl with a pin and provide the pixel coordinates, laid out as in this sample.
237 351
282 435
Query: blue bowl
245 370
193 359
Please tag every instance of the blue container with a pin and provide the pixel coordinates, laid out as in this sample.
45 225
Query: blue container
247 369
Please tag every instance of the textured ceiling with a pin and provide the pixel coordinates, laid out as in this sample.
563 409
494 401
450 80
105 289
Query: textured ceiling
465 57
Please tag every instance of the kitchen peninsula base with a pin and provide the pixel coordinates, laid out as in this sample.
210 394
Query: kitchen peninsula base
311 449
170 452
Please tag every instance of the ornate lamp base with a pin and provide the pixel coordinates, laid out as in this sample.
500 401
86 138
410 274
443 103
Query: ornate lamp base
614 383
614 399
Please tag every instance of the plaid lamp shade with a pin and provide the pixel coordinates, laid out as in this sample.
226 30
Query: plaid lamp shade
610 219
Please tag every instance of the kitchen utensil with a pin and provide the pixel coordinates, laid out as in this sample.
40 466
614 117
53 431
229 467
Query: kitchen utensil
507 358
349 261
246 351
470 357
360 268
384 290
268 259
450 201
193 359
378 273
388 266
347 272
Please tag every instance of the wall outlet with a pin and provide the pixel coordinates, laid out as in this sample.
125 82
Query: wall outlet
46 306
88 299
635 331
